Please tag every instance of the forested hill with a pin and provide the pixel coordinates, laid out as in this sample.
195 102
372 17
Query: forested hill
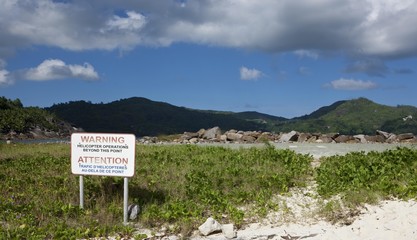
358 116
17 121
142 117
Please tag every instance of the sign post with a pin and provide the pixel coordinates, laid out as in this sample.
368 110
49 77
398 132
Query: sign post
103 154
81 191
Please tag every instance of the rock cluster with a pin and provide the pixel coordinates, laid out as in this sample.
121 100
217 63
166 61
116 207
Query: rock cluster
215 135
63 131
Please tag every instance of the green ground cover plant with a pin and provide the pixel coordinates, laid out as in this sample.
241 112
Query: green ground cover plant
179 185
368 177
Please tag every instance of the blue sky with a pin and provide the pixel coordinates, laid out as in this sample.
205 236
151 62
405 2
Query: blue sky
285 58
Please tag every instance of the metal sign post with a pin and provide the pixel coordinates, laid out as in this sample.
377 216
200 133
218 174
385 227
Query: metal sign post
81 192
104 154
125 200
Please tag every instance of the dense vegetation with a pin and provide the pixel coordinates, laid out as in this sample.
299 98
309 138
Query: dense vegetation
359 116
180 186
144 117
16 118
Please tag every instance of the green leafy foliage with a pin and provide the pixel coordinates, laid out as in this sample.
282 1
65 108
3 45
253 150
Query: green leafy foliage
392 173
181 185
214 181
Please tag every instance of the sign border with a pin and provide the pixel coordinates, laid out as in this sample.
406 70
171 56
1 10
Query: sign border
132 147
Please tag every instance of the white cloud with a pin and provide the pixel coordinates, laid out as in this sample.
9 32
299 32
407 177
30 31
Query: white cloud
4 77
371 27
53 69
306 53
134 21
250 74
351 84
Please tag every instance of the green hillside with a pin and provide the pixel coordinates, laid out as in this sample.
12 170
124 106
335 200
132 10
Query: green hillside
358 116
142 117
17 120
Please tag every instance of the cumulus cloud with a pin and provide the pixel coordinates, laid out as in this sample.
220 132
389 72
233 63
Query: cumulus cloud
54 69
351 84
369 27
250 74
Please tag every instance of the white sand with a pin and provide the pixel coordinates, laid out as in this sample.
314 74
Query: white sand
389 220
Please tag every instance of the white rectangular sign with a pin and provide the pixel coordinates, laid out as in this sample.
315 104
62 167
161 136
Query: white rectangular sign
103 154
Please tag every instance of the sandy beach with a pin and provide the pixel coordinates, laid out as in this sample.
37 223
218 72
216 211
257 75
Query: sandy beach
387 220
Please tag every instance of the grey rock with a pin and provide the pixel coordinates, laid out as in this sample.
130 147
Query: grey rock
361 138
223 138
248 139
210 226
212 133
376 138
382 133
133 211
343 139
229 231
392 139
303 137
253 134
312 139
289 137
405 136
234 136
189 135
325 139
201 132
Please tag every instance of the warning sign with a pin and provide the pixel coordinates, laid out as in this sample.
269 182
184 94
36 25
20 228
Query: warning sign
103 154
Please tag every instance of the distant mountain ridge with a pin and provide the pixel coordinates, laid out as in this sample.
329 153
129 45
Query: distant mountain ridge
143 117
358 116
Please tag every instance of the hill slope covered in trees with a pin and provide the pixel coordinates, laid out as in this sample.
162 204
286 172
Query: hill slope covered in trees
144 117
26 122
